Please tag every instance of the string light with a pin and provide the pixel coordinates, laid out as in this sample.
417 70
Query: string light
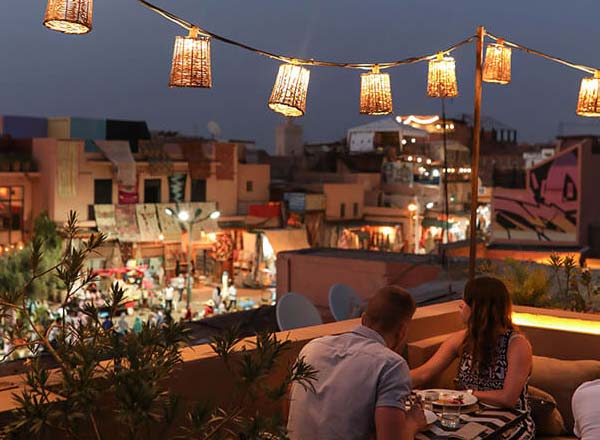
497 65
191 61
69 16
441 79
588 103
289 92
375 93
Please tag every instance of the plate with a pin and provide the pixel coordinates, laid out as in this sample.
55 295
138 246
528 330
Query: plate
430 416
446 397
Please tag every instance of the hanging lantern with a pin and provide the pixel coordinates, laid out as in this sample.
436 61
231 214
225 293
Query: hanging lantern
496 68
375 93
441 80
289 92
69 16
191 61
589 97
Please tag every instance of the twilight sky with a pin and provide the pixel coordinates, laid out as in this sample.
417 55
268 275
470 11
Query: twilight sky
121 69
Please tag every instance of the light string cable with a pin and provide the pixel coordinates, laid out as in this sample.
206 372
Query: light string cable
301 61
542 54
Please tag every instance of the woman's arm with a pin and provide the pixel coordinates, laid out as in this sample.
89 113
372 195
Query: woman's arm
519 369
447 352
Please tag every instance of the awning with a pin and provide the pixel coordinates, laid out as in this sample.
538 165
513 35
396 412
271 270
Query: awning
429 222
287 239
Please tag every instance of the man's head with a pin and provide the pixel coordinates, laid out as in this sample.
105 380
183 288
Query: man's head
389 312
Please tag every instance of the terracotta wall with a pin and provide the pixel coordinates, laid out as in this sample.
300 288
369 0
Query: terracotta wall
365 273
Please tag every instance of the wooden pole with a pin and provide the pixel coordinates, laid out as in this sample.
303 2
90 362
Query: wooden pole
475 153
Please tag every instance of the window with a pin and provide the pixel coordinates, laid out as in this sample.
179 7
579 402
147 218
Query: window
342 210
198 190
355 210
152 191
249 186
11 208
103 191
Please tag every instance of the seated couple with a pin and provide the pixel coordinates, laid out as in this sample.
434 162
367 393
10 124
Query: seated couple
363 381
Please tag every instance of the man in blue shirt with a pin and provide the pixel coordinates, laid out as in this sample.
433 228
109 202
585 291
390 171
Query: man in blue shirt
362 382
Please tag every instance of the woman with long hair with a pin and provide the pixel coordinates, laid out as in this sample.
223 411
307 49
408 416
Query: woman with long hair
494 357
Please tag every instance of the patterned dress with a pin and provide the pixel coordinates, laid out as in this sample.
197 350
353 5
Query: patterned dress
492 378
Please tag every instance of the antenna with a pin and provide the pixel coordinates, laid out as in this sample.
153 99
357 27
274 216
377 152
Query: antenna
214 129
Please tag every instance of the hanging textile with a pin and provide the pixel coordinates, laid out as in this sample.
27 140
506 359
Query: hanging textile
177 187
119 153
225 158
208 225
198 162
68 168
314 227
147 222
168 224
128 195
127 226
159 163
105 220
126 251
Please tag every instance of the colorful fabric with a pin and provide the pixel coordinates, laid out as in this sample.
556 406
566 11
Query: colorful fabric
105 220
177 187
119 153
147 222
158 159
68 168
198 163
127 227
222 249
225 158
128 195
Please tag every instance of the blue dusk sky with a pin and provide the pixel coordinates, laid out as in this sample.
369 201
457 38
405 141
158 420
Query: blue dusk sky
120 70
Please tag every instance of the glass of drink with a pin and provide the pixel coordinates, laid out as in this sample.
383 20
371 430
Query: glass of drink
451 416
428 398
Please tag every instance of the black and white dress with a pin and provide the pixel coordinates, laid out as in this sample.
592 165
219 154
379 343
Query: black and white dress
492 378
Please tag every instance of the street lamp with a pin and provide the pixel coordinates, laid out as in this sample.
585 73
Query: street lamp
184 218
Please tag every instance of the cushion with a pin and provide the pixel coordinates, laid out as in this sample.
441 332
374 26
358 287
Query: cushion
547 418
561 378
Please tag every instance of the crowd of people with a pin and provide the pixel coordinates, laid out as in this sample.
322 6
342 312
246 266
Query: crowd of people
363 383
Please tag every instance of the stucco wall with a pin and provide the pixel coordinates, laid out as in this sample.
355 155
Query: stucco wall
346 193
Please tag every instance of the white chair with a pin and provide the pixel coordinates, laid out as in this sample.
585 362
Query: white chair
296 311
344 302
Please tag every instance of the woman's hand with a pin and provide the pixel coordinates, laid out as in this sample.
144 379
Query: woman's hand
447 352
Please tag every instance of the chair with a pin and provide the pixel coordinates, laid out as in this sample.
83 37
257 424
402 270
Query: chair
344 302
296 311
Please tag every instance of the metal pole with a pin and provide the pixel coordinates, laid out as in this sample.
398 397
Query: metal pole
475 153
189 264
445 181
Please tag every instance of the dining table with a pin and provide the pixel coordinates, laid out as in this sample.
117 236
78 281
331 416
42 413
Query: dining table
477 423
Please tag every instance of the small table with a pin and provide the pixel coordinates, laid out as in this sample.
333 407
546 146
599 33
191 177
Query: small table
496 421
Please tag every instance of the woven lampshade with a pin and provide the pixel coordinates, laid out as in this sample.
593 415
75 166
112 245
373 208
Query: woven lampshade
289 92
69 16
588 103
496 68
375 93
191 62
441 80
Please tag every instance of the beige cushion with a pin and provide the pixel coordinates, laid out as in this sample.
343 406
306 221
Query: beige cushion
561 379
547 418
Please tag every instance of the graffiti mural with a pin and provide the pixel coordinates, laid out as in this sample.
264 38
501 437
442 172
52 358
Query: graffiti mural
546 211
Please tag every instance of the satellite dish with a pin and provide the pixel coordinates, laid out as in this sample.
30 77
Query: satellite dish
214 129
